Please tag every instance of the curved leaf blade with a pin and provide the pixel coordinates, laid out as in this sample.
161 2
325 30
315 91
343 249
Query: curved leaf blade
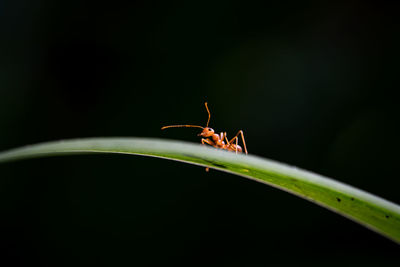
368 210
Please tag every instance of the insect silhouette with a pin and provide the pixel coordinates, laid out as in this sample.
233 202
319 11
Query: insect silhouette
216 140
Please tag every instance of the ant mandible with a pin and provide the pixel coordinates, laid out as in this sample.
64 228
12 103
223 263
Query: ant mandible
215 140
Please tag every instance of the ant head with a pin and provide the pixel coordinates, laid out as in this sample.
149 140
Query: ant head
207 132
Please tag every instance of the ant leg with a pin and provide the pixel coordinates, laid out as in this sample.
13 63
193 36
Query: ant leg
236 148
230 143
223 138
226 138
244 142
236 144
207 141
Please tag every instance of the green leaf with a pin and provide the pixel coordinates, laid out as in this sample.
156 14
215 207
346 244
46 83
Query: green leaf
371 211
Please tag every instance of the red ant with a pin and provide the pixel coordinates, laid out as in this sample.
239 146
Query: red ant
215 140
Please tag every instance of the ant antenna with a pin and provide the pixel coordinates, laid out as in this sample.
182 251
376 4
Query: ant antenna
188 125
209 115
184 125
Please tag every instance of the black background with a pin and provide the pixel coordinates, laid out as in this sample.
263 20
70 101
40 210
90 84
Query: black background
311 83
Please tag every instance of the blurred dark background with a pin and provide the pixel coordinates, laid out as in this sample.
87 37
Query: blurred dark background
311 83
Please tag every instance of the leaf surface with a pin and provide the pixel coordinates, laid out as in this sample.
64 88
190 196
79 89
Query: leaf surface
364 208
